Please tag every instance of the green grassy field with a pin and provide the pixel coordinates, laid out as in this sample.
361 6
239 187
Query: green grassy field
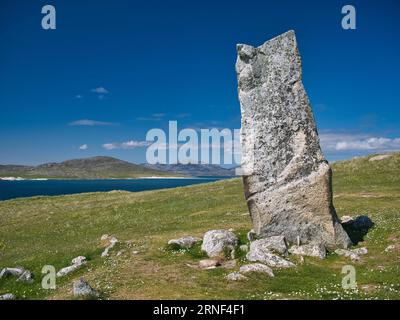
52 230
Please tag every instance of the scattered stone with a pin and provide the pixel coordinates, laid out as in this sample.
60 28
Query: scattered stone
7 296
263 254
360 251
219 242
348 254
77 263
390 248
236 276
274 243
251 235
244 248
82 289
104 237
311 250
17 272
257 267
380 157
209 263
26 277
286 178
184 242
112 242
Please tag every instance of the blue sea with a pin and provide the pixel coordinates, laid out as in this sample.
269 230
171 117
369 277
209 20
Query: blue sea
30 188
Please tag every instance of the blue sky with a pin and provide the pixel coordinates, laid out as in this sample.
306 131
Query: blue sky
112 70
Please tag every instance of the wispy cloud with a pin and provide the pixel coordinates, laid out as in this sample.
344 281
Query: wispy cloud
100 90
83 147
153 117
340 142
91 123
79 96
132 144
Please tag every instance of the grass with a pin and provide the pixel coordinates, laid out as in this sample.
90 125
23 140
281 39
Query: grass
52 230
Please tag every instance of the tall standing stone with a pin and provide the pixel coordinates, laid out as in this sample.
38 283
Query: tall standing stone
287 180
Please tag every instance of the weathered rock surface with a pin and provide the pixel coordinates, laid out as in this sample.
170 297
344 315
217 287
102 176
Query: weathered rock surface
286 177
257 267
311 250
219 242
274 243
7 296
261 253
82 289
353 254
236 276
184 242
22 274
77 263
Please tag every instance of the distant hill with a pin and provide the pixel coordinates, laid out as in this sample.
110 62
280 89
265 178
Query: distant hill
88 168
193 169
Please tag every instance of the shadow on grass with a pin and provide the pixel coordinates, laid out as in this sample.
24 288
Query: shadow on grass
358 228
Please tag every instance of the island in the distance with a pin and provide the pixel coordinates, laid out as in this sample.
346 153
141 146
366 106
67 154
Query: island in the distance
108 168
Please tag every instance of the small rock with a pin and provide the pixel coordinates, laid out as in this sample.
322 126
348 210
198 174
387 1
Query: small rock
235 276
17 272
251 235
360 251
348 254
77 263
263 254
7 296
79 260
184 242
274 243
26 277
209 263
257 267
134 252
104 237
346 219
244 248
390 248
82 289
218 242
311 250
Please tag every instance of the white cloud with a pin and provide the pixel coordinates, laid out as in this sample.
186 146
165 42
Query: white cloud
91 123
100 90
83 147
153 117
132 144
340 142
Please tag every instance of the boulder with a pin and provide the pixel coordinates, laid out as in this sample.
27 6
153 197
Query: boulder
184 242
287 180
348 254
257 267
19 272
274 243
261 253
311 250
219 242
82 289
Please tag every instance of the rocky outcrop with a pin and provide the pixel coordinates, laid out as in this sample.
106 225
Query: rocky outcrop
219 242
286 178
260 252
257 267
311 250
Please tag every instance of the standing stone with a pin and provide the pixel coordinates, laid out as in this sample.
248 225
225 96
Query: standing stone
287 180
